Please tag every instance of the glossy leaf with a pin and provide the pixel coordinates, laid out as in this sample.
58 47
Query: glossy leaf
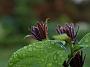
85 41
46 53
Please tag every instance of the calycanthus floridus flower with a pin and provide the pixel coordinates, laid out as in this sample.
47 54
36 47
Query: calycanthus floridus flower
40 31
77 60
68 29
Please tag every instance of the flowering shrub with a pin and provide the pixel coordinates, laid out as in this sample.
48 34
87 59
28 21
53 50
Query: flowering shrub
63 51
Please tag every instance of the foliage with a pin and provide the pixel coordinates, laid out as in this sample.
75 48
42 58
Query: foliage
85 41
60 52
47 53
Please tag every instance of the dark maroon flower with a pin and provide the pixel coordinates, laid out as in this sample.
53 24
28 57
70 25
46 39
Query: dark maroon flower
40 31
68 29
77 60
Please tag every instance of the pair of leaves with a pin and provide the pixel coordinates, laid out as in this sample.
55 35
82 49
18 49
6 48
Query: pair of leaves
48 53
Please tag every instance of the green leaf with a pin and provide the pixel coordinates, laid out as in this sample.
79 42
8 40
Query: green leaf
76 48
46 53
85 41
61 37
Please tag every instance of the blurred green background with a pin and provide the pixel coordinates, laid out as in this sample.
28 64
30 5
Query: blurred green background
17 16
